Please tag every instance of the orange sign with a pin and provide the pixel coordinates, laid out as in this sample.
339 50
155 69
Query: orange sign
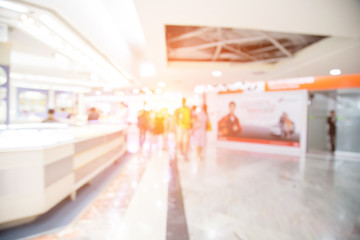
315 83
261 141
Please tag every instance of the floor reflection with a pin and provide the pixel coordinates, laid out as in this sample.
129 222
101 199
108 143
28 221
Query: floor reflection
101 220
241 195
235 195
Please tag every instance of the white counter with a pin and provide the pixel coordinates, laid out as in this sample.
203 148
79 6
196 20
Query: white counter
30 136
40 167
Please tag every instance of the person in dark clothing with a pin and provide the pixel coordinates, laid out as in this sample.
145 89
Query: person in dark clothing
229 125
50 118
331 120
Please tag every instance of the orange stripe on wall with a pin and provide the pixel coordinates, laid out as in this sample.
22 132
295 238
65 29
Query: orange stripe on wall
261 141
325 83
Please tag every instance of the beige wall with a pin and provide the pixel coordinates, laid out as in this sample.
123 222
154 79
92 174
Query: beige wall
5 54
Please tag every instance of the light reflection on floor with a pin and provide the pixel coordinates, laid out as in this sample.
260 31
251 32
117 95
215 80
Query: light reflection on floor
236 195
102 218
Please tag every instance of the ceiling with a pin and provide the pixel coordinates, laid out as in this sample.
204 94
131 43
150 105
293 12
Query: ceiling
247 40
216 44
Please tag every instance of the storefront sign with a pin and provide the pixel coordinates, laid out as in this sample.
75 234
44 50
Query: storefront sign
315 83
304 83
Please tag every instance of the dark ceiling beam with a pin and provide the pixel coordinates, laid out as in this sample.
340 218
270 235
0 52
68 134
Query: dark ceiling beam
240 53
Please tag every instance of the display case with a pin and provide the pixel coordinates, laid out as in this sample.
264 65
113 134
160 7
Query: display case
42 165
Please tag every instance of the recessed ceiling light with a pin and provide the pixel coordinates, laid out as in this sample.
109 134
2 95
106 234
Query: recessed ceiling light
107 89
94 77
335 72
147 70
136 91
161 84
199 89
14 7
23 17
62 59
216 73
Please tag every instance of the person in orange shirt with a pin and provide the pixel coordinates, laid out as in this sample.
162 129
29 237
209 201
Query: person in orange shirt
229 125
286 125
143 125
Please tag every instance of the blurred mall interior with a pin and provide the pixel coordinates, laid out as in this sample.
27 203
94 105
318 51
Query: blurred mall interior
180 120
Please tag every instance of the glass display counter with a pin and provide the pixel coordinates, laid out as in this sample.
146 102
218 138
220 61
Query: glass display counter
42 135
41 164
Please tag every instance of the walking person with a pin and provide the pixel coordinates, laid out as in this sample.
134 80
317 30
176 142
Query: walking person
182 120
199 130
165 114
157 129
331 120
143 125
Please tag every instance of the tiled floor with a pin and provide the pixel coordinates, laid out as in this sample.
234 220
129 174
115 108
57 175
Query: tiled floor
250 196
230 195
101 220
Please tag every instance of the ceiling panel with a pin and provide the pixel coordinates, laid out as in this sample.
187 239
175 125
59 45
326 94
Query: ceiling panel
190 43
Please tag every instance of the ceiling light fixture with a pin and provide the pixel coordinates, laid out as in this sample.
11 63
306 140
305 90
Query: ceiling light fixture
335 72
41 79
199 89
216 73
94 77
136 91
147 70
13 7
107 89
61 59
52 31
23 17
16 76
161 84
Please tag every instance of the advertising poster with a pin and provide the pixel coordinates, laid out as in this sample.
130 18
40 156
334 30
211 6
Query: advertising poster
267 118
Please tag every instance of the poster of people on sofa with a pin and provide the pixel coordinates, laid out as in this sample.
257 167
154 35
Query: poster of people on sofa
270 118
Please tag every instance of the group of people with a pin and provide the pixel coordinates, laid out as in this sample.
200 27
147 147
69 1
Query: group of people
60 116
156 123
187 125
